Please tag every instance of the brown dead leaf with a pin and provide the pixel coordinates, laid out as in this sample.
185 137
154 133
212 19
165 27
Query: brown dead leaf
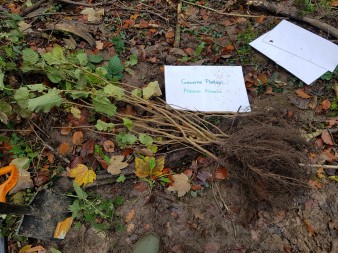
189 51
77 138
109 146
65 130
313 102
35 249
64 148
328 155
87 148
188 173
51 157
143 24
315 184
320 173
262 78
134 16
116 165
302 94
310 228
260 19
170 35
221 173
326 137
99 45
334 3
326 104
196 187
77 160
180 184
141 186
130 227
269 91
130 215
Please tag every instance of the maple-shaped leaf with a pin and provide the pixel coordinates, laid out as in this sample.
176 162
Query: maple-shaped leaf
149 166
181 184
82 175
116 165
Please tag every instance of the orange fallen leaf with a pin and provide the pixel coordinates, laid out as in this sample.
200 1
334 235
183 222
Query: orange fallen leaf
221 173
62 228
334 3
64 148
188 173
134 16
130 215
109 146
302 94
310 228
269 91
326 104
77 138
326 137
315 184
65 130
328 155
35 249
169 35
51 157
260 19
262 78
320 173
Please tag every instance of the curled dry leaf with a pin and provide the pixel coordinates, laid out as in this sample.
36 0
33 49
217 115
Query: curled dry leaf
64 148
82 175
116 165
326 137
109 146
326 104
180 184
77 138
221 173
302 94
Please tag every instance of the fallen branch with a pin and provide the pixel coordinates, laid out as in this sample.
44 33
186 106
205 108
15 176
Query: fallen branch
178 25
274 8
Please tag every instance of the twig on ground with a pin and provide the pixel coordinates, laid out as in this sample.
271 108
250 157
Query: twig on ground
85 4
33 7
178 25
324 166
273 7
220 12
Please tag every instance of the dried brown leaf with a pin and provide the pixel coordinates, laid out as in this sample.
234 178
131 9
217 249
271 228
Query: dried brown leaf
302 94
109 146
64 148
180 184
326 104
77 138
326 137
130 215
221 173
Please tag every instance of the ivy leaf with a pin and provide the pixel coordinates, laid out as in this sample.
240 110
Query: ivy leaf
145 139
152 89
145 167
45 102
103 126
103 104
21 96
116 165
30 56
113 90
125 139
127 123
82 175
181 184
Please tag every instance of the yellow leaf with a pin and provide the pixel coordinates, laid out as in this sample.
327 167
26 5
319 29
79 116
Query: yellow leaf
82 175
116 164
143 167
62 228
181 184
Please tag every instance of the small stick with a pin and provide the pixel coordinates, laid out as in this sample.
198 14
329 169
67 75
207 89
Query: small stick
178 25
85 4
324 166
221 13
33 7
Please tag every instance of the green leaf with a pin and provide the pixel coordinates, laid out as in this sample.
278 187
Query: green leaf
54 77
132 61
115 68
127 123
125 139
121 179
136 92
145 139
29 55
152 89
118 44
95 58
21 96
103 104
2 76
45 102
102 72
5 111
199 49
152 163
113 90
81 194
83 58
52 250
55 57
103 126
119 200
152 148
327 76
78 94
37 87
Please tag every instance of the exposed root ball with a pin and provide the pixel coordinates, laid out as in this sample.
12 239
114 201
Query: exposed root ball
265 160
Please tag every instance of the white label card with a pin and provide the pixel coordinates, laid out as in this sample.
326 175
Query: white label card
206 88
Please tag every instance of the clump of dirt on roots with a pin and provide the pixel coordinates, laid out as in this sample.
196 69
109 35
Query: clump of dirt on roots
265 160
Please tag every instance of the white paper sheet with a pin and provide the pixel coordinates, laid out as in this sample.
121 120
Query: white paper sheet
304 54
206 88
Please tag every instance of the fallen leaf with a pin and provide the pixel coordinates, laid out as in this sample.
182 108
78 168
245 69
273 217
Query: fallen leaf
334 3
134 16
326 104
92 14
42 178
109 146
82 175
127 151
75 161
50 157
196 187
320 173
130 215
260 19
141 186
130 227
221 173
116 165
328 156
24 181
188 173
87 148
326 137
180 184
169 35
143 167
77 138
99 45
269 91
310 228
64 148
65 130
62 228
262 78
143 24
302 94
35 249
315 184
